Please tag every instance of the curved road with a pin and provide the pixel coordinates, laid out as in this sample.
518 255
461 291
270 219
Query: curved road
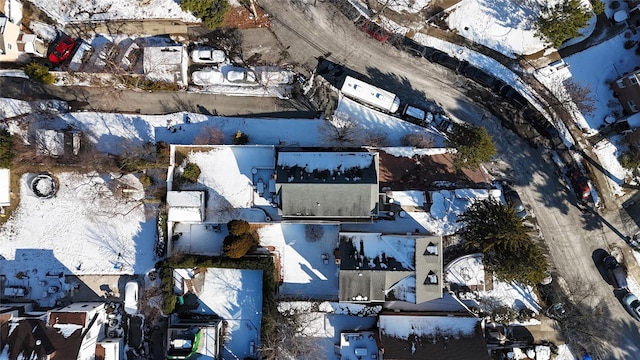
571 235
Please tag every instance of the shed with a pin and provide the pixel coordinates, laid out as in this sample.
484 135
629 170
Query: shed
5 188
185 206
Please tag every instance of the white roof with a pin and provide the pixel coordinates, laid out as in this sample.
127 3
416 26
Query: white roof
5 189
185 206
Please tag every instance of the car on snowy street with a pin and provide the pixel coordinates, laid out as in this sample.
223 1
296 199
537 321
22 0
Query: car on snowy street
207 55
62 50
240 75
207 76
632 304
513 200
580 183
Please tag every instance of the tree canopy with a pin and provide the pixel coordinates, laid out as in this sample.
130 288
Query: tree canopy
494 230
211 12
39 73
563 21
474 146
241 239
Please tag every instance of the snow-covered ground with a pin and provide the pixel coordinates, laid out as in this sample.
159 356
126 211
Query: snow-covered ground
505 26
81 10
88 227
305 273
236 296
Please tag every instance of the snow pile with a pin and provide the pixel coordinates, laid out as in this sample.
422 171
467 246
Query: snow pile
88 227
12 107
408 198
608 153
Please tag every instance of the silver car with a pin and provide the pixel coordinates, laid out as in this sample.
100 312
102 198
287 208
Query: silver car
632 304
131 297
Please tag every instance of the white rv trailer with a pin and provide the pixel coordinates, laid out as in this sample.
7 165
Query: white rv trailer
371 95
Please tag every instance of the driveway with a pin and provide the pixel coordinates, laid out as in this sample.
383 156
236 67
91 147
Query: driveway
570 234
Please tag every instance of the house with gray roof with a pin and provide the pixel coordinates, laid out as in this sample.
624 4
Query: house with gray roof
327 184
378 268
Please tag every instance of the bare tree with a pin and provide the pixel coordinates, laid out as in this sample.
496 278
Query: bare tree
573 96
376 138
341 130
294 337
209 135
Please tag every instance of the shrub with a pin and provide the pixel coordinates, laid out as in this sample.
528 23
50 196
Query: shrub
6 149
39 73
376 138
238 227
145 180
240 138
630 160
562 22
598 6
313 232
416 140
191 172
211 12
237 246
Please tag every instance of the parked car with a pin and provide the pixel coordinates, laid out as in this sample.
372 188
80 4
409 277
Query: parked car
276 77
509 93
513 200
580 183
240 75
62 50
413 47
632 304
207 55
131 297
617 274
447 61
479 76
443 123
373 30
207 76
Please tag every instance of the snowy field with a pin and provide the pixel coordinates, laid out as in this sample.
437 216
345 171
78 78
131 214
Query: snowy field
86 228
304 271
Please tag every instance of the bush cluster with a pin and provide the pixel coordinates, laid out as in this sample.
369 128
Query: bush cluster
191 172
39 73
240 138
241 239
212 12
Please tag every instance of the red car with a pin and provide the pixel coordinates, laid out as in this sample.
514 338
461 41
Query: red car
62 50
374 30
580 183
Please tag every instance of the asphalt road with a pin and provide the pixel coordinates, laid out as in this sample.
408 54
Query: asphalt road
570 234
128 101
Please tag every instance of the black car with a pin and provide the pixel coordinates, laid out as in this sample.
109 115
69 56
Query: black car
447 61
512 95
513 200
413 47
483 78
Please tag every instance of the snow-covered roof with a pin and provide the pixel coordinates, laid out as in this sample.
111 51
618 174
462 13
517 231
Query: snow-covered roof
5 187
376 267
327 184
358 345
185 206
432 337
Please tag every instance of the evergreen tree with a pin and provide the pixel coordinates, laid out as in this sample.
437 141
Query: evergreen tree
212 12
238 227
237 246
494 230
562 21
39 73
473 144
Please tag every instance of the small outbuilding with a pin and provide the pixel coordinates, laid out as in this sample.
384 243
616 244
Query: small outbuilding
185 206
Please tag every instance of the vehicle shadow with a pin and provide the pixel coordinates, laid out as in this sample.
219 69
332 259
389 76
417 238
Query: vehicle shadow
597 256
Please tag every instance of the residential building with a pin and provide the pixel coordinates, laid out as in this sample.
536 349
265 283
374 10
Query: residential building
327 184
407 337
378 268
15 45
76 331
627 90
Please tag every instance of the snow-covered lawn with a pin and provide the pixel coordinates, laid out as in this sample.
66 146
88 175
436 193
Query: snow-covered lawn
469 271
236 296
504 25
86 228
305 273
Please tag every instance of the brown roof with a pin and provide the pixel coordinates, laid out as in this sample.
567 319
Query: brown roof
32 337
78 318
435 347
